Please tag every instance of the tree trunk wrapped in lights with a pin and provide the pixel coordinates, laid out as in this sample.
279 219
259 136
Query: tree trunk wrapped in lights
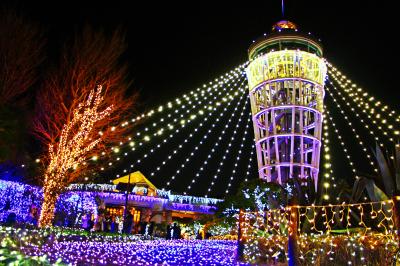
74 145
50 196
68 106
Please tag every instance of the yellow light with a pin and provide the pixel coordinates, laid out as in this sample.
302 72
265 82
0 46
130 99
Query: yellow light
146 138
326 185
116 149
94 158
37 160
286 59
131 143
326 197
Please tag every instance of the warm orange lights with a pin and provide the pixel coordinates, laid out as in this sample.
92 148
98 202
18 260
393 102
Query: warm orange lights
73 147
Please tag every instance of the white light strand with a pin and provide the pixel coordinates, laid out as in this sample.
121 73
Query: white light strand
196 129
346 151
231 96
327 162
362 99
250 164
219 137
356 135
204 88
211 88
182 122
363 110
205 93
238 157
213 149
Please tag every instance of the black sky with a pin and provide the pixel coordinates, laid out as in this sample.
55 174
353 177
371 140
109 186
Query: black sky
175 47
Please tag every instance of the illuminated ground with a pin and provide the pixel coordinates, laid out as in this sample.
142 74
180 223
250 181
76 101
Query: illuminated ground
156 252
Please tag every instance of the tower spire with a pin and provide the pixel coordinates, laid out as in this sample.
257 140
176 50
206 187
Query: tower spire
283 9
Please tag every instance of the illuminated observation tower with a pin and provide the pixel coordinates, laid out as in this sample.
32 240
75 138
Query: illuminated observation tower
286 82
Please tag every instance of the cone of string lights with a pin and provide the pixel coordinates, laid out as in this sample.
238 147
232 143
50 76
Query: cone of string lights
286 81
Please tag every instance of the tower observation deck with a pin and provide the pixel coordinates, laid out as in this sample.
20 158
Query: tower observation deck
286 82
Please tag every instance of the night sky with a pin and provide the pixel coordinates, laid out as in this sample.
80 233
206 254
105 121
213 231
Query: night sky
174 48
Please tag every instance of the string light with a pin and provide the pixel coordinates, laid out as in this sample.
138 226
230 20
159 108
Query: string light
364 110
216 144
183 122
196 129
241 101
224 156
211 87
357 136
266 231
250 163
191 97
371 132
124 250
348 157
183 125
71 150
327 161
238 157
362 100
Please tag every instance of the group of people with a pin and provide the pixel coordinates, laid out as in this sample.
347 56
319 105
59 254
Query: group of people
115 224
103 223
173 232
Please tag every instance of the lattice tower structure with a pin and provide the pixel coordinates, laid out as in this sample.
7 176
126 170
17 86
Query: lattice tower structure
286 78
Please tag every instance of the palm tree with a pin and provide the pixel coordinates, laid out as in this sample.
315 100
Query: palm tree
386 184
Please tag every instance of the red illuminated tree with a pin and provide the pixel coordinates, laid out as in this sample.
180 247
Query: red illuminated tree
70 109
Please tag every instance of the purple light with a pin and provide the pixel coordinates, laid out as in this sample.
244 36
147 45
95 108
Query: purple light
286 96
19 198
175 252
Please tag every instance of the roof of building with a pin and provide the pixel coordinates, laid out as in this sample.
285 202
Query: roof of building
136 178
284 25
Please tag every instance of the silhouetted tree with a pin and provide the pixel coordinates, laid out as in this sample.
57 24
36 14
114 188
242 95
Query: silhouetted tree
21 52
